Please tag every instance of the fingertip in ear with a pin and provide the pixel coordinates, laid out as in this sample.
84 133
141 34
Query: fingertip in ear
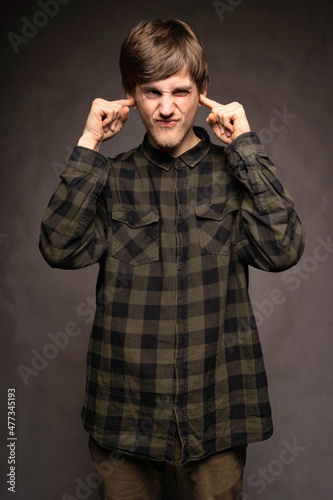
130 97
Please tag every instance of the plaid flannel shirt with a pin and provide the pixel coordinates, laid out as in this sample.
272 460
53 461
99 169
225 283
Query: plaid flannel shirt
174 341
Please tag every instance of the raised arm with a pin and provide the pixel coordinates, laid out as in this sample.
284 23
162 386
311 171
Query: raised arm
75 223
227 121
270 235
105 120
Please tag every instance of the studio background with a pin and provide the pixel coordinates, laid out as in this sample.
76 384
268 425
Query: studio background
273 57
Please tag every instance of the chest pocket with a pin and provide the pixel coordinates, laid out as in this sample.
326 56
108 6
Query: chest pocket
215 225
135 237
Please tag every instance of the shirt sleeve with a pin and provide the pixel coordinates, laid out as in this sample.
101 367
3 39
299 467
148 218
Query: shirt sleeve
270 235
74 225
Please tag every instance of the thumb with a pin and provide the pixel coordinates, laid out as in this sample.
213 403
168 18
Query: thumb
124 113
211 119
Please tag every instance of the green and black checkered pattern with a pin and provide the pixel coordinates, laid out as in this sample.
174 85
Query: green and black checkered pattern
174 341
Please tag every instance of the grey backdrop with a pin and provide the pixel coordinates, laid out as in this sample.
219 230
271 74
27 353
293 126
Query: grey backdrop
273 57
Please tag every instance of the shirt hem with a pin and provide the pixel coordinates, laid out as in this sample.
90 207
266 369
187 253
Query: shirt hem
163 458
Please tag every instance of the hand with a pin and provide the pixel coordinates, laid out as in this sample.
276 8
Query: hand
106 118
227 122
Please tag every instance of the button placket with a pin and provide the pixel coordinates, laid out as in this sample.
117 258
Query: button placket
181 289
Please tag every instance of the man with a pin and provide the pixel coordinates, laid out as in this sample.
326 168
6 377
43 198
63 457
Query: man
175 374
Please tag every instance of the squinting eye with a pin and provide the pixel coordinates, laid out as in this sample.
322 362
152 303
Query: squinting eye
151 93
181 93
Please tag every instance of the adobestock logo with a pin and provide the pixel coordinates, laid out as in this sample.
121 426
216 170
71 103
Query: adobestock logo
58 167
268 475
103 470
223 7
277 124
59 341
49 351
293 278
40 19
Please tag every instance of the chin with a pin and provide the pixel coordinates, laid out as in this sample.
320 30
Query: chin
168 141
165 144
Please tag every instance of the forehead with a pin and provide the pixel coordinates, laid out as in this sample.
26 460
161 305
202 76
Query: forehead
180 79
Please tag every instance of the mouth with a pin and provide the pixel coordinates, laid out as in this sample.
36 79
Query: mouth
171 122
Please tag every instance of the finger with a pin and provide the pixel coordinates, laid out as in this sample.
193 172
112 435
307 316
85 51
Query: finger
228 124
208 102
110 116
214 124
116 108
217 126
107 125
211 119
224 120
127 102
117 122
110 120
120 119
124 113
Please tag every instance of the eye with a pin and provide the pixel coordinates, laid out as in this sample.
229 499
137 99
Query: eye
181 93
152 93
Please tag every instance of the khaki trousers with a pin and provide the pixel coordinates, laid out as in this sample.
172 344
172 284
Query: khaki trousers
217 477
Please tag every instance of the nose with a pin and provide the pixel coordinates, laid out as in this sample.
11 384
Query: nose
166 105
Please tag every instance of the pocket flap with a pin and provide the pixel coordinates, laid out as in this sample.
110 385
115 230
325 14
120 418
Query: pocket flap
135 218
217 211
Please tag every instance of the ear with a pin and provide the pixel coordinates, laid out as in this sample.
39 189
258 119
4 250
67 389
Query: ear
129 96
204 92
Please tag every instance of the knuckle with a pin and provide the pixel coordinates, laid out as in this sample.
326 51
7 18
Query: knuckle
238 104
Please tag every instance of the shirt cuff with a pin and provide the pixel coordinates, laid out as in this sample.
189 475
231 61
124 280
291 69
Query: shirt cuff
244 146
86 157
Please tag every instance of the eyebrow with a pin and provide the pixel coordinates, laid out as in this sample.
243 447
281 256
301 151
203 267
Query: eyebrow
151 86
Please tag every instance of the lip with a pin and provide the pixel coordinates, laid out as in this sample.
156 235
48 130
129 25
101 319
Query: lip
167 123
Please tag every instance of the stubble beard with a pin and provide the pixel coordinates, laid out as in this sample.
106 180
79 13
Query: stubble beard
166 140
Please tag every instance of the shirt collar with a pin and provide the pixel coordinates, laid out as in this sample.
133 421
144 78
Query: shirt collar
190 157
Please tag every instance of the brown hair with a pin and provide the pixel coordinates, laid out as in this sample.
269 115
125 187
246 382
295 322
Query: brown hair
157 49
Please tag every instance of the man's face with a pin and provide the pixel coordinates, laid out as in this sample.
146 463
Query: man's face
167 109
